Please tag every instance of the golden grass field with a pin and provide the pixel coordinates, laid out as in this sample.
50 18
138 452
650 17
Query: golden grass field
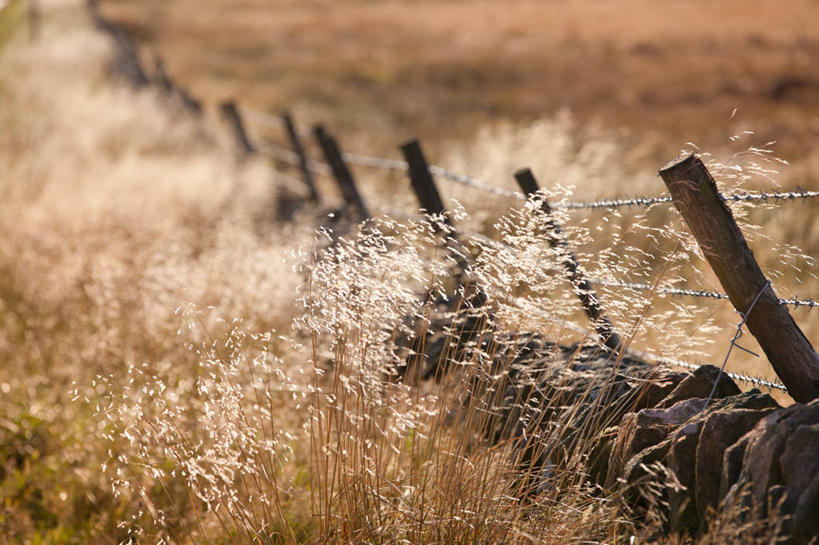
166 347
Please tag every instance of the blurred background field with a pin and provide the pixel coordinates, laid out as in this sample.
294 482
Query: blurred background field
664 73
131 235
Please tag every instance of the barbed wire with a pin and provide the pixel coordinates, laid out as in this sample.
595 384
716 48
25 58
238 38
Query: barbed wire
262 118
648 356
291 184
277 152
772 196
472 182
612 203
375 162
743 377
463 179
291 158
793 301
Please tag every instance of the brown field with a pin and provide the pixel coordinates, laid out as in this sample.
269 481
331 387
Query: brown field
665 72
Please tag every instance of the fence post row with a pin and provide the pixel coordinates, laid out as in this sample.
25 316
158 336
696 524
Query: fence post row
232 115
582 287
711 222
341 173
295 142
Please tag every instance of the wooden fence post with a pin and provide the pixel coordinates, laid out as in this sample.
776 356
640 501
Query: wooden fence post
421 179
423 184
582 288
721 241
295 141
232 115
341 173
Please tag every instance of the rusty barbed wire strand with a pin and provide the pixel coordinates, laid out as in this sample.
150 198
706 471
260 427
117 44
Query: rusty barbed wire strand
375 162
463 179
794 302
743 377
291 158
262 118
291 184
277 152
648 356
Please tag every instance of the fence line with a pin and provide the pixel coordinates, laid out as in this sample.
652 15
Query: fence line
292 157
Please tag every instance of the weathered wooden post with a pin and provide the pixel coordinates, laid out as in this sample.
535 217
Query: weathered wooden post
341 173
295 141
582 288
421 179
232 115
712 224
423 184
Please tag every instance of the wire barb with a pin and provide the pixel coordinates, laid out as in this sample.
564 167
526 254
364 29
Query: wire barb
734 340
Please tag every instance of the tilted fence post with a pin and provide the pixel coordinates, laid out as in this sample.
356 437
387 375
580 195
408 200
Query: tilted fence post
341 173
295 141
232 115
423 184
582 288
721 241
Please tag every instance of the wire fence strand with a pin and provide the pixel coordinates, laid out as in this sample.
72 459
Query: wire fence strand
262 118
463 179
277 152
743 377
375 162
638 286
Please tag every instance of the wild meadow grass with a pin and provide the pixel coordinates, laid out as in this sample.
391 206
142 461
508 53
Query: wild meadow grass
178 367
